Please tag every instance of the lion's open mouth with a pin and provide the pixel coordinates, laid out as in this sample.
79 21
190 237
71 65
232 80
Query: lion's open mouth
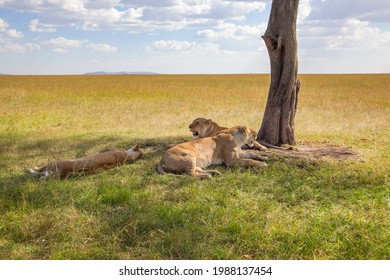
195 133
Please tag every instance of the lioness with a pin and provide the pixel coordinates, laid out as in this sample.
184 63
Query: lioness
104 160
202 128
224 148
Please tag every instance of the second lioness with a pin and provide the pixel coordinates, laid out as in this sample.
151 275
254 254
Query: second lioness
202 128
224 148
105 159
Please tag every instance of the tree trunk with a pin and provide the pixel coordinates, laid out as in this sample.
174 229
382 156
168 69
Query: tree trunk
280 38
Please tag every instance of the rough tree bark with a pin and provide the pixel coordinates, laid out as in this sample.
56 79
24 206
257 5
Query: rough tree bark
277 127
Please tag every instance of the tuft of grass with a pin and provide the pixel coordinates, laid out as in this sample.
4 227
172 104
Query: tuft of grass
293 209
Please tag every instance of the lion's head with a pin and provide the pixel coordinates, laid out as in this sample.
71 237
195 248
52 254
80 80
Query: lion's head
199 127
243 135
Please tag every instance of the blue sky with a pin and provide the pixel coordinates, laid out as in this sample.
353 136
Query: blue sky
187 36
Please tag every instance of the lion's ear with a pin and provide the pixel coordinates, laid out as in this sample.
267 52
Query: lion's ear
208 121
241 129
245 130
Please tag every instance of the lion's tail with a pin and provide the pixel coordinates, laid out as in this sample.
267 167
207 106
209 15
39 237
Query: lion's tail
39 171
160 168
36 170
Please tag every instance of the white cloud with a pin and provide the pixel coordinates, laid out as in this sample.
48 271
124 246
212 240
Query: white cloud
132 15
102 48
9 33
175 45
35 26
14 34
232 31
183 46
11 47
3 25
7 37
171 45
373 10
342 34
32 47
63 45
73 5
356 34
304 10
175 15
336 25
60 50
62 42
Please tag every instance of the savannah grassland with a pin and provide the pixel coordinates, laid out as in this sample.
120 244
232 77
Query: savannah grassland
294 209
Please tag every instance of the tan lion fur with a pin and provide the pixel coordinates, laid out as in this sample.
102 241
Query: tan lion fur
91 164
224 148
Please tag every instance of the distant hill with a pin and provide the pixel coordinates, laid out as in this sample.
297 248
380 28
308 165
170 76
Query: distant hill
120 73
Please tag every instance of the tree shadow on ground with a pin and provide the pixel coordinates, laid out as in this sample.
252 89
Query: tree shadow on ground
17 156
20 155
81 146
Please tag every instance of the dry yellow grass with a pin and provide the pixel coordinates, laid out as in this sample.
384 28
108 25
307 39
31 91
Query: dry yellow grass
335 106
344 104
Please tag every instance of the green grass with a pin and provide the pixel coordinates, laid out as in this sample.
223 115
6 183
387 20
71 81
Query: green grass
294 209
